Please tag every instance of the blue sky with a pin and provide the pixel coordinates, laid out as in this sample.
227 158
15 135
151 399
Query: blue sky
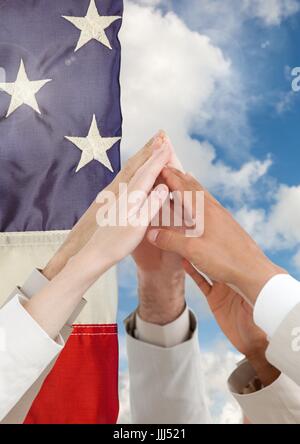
241 132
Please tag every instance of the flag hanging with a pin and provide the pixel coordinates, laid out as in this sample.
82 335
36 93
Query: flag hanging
60 129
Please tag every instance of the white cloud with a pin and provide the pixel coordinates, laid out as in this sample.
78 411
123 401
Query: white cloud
272 12
218 364
285 102
296 260
176 79
231 414
265 44
124 413
222 20
149 2
168 72
278 228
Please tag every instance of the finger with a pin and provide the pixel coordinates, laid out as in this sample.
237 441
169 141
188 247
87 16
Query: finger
170 172
174 160
168 240
208 195
136 161
155 202
176 180
202 283
145 177
142 215
185 195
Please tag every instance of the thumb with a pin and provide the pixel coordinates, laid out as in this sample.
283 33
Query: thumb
169 240
197 277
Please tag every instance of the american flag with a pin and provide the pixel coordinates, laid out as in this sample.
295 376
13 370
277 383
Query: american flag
60 129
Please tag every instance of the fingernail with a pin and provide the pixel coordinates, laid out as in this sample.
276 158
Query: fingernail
156 145
161 133
158 139
156 142
152 235
160 149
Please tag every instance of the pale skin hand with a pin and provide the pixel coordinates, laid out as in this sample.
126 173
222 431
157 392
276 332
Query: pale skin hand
87 225
235 318
161 297
53 305
225 252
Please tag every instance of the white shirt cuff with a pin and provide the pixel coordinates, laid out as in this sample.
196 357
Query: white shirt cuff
25 338
278 403
35 282
276 300
168 335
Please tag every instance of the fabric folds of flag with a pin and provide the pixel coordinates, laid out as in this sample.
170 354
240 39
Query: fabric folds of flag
60 129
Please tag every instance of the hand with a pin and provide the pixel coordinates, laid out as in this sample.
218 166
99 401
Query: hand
225 252
235 318
161 278
123 224
87 225
52 306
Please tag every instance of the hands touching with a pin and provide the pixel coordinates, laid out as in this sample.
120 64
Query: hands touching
225 252
111 242
161 278
87 225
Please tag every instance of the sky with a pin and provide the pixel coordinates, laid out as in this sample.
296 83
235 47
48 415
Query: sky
217 77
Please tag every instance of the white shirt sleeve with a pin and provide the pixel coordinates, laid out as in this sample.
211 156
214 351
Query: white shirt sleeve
278 403
33 285
169 335
276 300
25 351
166 382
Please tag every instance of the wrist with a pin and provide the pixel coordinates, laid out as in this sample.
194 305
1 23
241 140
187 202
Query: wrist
266 373
55 266
60 259
161 300
255 276
86 267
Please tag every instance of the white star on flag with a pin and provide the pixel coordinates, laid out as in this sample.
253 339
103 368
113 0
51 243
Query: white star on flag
92 26
94 146
23 91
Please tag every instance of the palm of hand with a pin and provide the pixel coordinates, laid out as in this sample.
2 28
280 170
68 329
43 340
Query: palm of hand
235 318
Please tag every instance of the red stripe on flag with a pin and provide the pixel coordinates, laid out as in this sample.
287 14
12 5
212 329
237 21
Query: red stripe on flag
82 388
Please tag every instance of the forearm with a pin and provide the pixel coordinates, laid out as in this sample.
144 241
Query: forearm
77 238
54 304
161 297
